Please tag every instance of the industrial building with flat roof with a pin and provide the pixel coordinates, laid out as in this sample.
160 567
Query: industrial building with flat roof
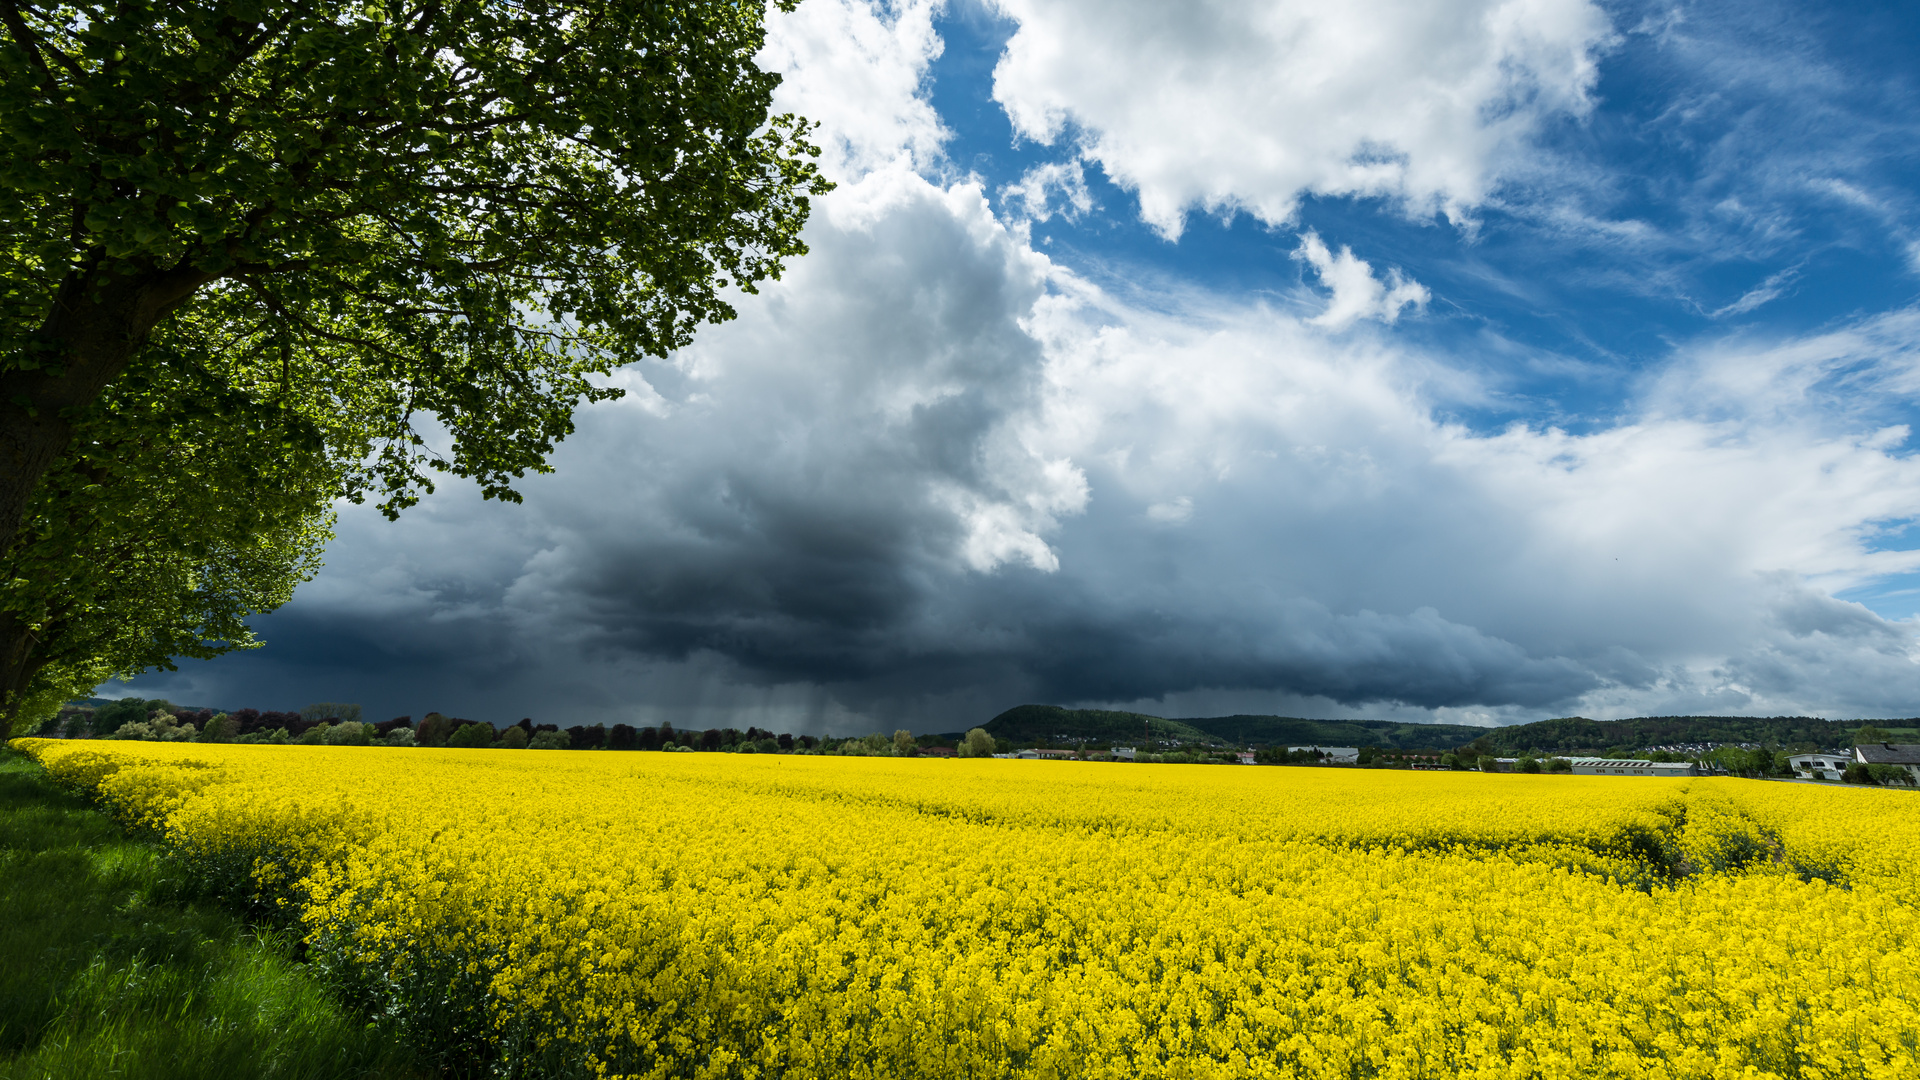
1599 766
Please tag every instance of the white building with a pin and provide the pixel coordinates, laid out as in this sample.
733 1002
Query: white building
1905 755
1599 766
1820 766
1339 755
1123 753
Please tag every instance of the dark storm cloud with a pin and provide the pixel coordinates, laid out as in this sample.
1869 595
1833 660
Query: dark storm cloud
928 476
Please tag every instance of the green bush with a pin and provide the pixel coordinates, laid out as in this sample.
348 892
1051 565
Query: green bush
1889 774
314 735
474 736
109 718
550 740
400 737
277 736
1559 764
161 726
513 738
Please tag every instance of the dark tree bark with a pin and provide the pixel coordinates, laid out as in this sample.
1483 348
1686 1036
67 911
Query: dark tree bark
101 316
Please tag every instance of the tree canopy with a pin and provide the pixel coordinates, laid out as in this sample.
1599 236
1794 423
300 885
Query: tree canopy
390 238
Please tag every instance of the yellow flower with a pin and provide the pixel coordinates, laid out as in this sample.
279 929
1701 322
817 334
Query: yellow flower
736 916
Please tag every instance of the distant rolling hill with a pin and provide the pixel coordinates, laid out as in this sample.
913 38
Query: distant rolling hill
1051 723
1580 733
1294 731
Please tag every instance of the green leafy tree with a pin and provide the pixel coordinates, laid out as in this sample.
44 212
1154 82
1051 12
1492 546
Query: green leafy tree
165 525
333 222
435 728
220 728
350 733
903 742
1870 734
513 738
977 744
108 718
474 735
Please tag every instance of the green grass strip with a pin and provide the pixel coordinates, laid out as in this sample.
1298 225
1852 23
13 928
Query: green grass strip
113 965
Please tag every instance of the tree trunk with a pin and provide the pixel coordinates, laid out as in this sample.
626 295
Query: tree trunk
102 313
17 669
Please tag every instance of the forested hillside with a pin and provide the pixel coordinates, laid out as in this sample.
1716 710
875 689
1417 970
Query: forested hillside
1050 723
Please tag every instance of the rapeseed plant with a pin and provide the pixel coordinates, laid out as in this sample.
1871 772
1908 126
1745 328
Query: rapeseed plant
656 915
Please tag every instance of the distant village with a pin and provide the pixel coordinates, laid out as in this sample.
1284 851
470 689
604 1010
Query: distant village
1900 760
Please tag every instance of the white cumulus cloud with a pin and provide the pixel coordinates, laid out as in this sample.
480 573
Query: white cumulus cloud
1057 187
1357 293
1233 105
856 69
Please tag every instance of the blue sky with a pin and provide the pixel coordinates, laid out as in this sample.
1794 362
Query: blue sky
1695 107
1472 361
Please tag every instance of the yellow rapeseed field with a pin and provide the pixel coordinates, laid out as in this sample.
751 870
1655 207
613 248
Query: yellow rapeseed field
713 915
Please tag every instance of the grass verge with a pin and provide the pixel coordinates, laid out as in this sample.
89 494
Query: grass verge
113 965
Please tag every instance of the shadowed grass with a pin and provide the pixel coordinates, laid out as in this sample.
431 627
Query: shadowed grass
112 965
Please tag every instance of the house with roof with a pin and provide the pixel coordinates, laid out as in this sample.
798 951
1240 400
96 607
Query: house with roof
1905 755
1823 765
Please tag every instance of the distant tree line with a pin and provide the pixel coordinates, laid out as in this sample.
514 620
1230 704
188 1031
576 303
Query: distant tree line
335 723
340 724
